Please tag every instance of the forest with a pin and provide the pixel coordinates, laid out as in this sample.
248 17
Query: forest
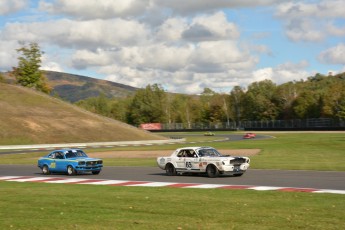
319 96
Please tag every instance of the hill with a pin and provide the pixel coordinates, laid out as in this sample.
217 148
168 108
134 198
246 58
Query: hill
30 117
71 87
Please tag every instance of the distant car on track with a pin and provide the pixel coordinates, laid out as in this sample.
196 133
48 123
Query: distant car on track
249 135
70 161
202 160
208 134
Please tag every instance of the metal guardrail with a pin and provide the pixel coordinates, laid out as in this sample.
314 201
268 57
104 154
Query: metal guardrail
297 124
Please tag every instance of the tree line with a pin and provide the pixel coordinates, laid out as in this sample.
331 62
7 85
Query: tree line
319 96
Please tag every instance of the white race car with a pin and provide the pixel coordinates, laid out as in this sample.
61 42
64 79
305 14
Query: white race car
202 160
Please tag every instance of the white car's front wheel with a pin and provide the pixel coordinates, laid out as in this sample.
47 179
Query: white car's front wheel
212 171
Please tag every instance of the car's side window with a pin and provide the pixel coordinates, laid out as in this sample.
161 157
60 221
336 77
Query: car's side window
191 153
181 154
52 155
59 155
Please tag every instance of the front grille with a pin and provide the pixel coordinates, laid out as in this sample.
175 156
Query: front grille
90 163
238 160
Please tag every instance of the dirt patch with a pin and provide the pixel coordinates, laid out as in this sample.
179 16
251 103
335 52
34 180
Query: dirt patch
158 153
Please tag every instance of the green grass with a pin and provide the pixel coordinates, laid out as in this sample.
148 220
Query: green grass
43 206
290 151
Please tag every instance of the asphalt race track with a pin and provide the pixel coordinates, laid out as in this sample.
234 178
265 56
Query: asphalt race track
253 177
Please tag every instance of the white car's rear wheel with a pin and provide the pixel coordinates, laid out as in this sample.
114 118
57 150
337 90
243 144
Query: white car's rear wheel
212 171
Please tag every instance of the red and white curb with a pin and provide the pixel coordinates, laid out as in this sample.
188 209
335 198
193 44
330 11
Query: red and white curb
61 180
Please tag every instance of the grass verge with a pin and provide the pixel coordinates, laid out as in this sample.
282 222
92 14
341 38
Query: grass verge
42 206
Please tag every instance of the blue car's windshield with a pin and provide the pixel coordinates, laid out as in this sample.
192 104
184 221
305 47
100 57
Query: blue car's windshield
75 153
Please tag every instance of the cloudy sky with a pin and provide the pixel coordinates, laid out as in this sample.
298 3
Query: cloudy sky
183 45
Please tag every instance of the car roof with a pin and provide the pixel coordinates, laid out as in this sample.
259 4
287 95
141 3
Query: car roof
66 150
196 147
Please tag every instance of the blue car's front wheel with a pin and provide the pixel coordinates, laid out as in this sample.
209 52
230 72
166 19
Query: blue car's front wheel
45 170
71 171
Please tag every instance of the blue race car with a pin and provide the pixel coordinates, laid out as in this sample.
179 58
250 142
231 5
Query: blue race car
70 161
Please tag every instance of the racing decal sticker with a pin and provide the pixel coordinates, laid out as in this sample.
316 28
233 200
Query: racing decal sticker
188 164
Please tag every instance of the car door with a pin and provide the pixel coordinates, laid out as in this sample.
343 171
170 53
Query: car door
191 161
60 161
180 160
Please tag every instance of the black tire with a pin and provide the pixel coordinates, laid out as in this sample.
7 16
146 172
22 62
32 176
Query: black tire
170 170
95 172
45 170
212 171
71 171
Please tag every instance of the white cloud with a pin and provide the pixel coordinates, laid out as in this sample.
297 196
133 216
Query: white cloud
311 21
171 30
96 9
11 6
300 9
283 73
219 56
68 33
52 66
193 6
211 27
304 30
334 55
8 56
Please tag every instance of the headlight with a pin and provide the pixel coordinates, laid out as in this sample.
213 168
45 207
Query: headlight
81 162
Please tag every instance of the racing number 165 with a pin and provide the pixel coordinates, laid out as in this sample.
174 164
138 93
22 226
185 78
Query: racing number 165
188 164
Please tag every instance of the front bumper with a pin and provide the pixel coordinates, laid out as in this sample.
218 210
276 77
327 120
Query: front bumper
88 168
234 169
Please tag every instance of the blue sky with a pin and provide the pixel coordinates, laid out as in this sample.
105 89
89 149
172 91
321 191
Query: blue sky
185 46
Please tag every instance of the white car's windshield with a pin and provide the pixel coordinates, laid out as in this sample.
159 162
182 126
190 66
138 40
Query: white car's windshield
75 153
210 152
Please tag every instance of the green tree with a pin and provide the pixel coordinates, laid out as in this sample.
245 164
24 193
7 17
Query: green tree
148 106
307 105
259 101
28 72
284 98
237 95
334 101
